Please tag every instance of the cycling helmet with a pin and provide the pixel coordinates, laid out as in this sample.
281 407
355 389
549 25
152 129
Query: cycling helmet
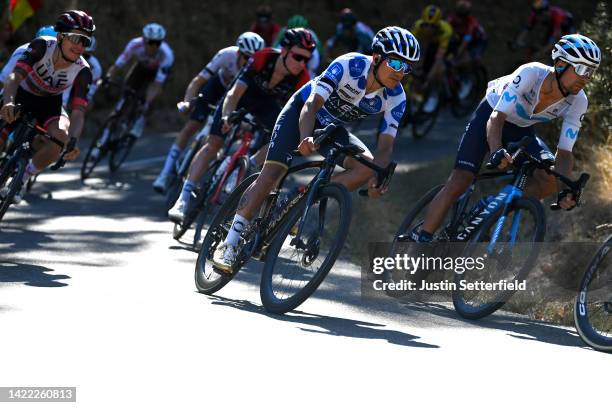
463 8
92 47
348 18
431 14
249 42
297 21
300 37
46 31
154 31
539 5
577 49
397 41
75 20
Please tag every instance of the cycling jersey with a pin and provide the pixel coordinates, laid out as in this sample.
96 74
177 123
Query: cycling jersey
224 63
258 73
440 37
96 71
343 87
362 41
42 79
559 22
161 62
468 28
517 95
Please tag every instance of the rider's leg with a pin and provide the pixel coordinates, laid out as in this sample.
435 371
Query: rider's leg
200 163
49 152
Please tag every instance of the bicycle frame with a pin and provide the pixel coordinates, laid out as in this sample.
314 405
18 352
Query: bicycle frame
243 149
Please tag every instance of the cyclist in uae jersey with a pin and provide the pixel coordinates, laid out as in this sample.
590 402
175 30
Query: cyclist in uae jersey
533 93
352 87
262 88
48 67
211 83
154 60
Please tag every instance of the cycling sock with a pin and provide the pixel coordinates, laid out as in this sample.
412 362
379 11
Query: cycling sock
30 170
188 187
173 155
238 225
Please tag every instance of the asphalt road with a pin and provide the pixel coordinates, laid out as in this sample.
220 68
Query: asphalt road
95 293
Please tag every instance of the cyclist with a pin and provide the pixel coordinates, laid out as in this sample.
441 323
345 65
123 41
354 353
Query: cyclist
269 80
351 35
468 42
435 34
212 82
557 21
351 88
264 26
533 93
47 68
96 72
154 61
298 21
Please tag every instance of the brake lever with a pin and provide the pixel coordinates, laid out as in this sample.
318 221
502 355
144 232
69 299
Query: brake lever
576 187
61 161
384 178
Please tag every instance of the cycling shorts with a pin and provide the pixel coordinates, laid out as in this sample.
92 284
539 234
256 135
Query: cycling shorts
212 92
45 109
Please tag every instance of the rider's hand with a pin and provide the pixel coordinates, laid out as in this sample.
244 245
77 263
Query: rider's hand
73 154
566 200
307 146
183 107
373 190
8 112
500 158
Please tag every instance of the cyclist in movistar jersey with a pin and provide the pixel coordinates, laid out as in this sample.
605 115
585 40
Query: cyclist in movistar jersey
212 83
351 88
533 93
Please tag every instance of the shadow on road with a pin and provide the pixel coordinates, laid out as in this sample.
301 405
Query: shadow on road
30 275
333 326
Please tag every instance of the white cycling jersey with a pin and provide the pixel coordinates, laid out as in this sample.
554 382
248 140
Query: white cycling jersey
343 86
224 63
518 94
96 74
10 64
162 61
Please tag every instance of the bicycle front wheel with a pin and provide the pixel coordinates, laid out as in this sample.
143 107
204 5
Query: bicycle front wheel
510 258
91 160
593 307
11 177
293 271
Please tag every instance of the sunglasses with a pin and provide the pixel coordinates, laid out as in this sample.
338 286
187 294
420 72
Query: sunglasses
156 43
399 65
585 71
299 57
75 38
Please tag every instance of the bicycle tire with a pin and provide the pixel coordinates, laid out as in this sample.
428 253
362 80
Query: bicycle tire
16 168
583 324
428 119
242 164
270 301
462 107
88 165
209 284
120 151
202 201
477 312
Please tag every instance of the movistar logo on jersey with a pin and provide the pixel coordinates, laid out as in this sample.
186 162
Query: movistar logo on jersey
509 98
571 133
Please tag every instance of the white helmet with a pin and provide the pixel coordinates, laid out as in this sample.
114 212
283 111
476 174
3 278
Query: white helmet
154 32
577 49
249 43
397 41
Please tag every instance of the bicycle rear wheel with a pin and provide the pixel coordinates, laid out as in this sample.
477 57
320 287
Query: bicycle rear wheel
593 307
290 275
11 177
423 122
511 258
207 279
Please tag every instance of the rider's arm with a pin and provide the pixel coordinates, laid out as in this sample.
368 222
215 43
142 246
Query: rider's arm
23 67
233 97
308 114
194 86
494 130
79 102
